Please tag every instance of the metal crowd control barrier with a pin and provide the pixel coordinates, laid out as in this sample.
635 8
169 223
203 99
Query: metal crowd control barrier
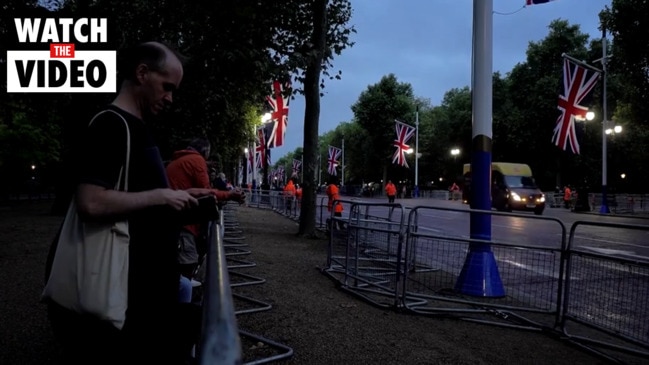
219 343
244 303
595 300
530 273
366 257
276 201
606 293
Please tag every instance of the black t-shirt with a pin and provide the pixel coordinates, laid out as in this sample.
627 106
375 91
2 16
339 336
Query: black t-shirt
153 271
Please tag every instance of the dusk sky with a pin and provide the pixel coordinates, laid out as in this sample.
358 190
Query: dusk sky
427 43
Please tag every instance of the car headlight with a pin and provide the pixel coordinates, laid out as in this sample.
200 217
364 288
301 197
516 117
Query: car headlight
542 198
515 196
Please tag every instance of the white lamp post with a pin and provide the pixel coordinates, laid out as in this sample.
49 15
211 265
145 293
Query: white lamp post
606 130
416 192
245 153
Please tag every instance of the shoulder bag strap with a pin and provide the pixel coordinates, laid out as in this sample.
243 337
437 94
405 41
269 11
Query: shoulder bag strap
128 149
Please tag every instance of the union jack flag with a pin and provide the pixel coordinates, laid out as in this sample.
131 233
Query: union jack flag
250 161
404 132
279 116
262 153
334 155
297 165
280 174
536 2
578 82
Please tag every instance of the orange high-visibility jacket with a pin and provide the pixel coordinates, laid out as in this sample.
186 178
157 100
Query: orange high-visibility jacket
390 189
333 194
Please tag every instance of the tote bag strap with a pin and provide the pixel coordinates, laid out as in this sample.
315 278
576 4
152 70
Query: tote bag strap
124 168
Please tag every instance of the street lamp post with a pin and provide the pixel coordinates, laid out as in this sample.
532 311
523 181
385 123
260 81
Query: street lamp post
416 193
247 157
264 119
604 207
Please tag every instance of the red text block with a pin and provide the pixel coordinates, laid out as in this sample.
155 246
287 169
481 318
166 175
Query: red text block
62 50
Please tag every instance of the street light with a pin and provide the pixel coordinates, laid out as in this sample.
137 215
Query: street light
615 130
264 119
606 130
455 152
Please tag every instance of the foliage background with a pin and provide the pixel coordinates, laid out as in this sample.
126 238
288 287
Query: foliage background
232 59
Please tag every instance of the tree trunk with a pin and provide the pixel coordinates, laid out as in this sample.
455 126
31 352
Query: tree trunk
312 119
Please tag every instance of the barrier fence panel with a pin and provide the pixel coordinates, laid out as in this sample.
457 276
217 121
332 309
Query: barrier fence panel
530 271
607 289
583 287
366 256
244 294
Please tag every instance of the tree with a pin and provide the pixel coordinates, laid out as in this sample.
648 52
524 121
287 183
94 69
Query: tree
627 21
307 35
230 62
312 117
628 24
534 86
376 110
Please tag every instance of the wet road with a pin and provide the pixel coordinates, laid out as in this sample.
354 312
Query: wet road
625 236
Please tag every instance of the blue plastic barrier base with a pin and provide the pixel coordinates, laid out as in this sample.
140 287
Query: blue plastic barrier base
480 276
604 209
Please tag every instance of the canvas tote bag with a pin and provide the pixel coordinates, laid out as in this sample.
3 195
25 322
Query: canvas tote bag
90 267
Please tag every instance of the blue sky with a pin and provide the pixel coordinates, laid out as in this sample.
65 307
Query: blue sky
427 43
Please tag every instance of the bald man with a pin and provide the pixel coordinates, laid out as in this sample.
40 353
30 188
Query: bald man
150 73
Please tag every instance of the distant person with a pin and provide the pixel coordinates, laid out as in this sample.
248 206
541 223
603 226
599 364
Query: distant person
289 194
567 195
455 191
334 194
390 191
221 182
212 175
298 195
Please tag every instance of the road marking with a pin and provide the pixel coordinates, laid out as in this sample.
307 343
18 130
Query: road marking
608 251
609 241
437 216
541 271
509 227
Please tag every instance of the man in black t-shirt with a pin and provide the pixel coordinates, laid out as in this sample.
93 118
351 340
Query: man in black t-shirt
151 72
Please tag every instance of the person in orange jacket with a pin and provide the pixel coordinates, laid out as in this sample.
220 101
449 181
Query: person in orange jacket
188 169
567 194
390 191
333 194
289 194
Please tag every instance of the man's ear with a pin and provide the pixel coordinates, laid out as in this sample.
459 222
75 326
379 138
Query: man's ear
141 73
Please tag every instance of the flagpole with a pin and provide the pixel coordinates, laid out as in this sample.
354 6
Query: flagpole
580 62
254 165
480 276
417 151
342 173
604 207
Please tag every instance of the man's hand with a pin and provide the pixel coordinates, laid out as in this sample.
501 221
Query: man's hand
178 199
237 195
